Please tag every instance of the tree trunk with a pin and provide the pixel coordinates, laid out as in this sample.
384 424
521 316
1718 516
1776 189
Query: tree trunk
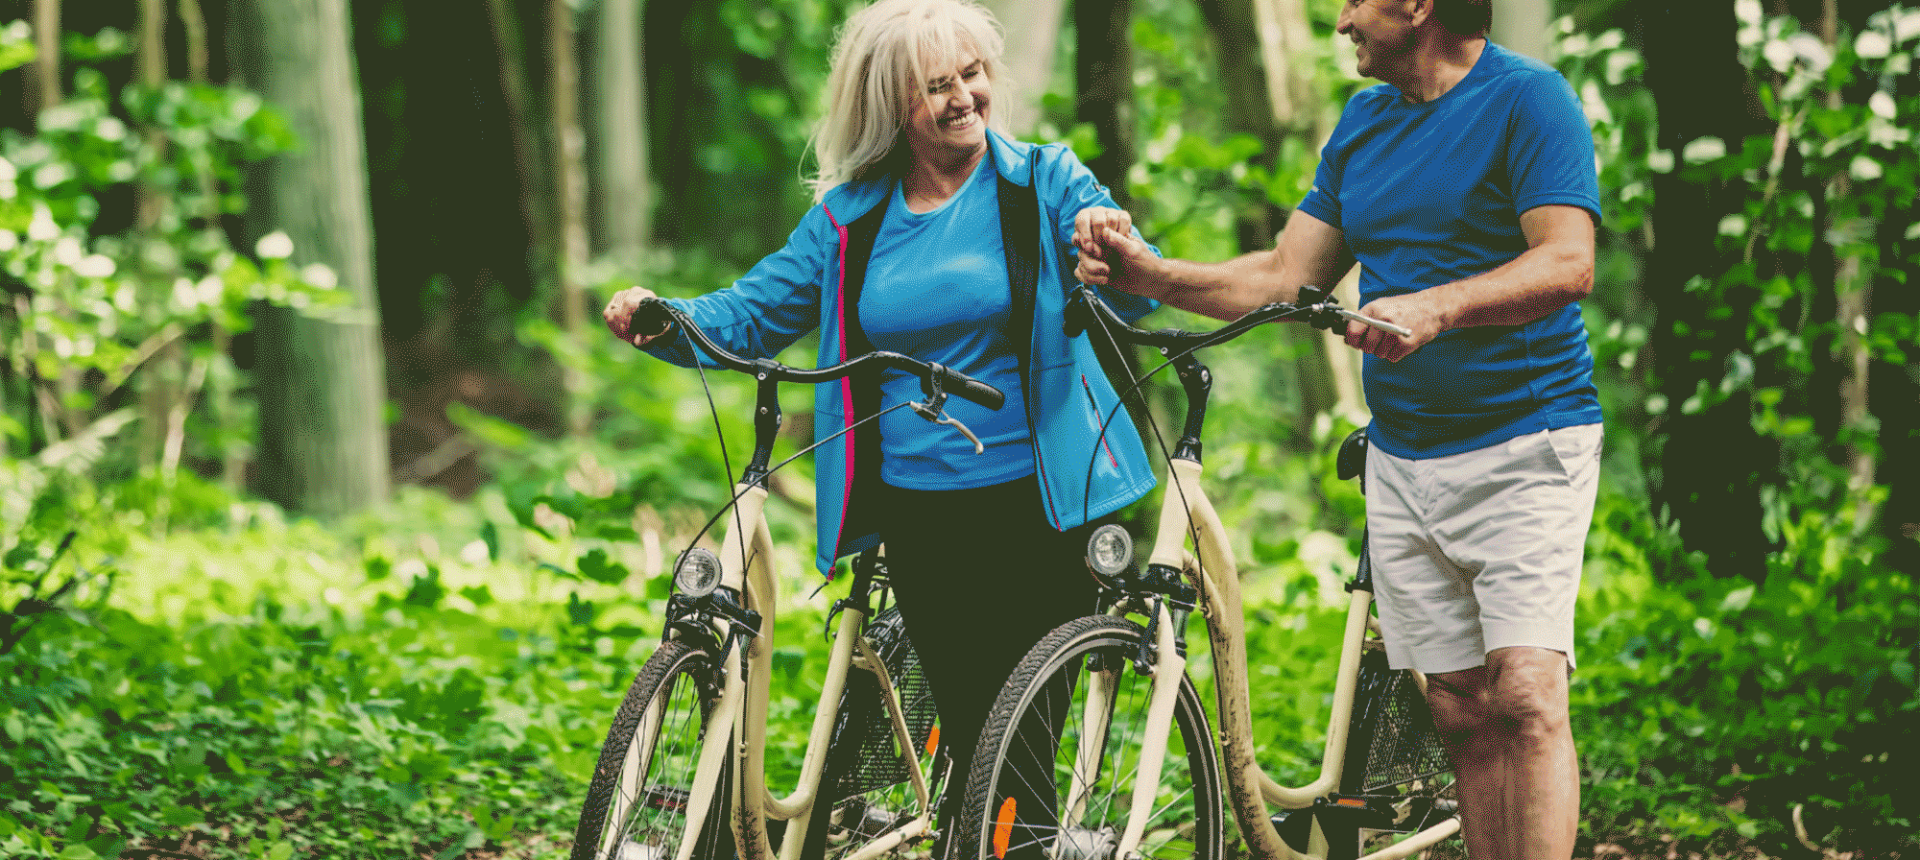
205 206
1712 462
44 90
622 191
1285 35
528 147
159 383
1850 294
1103 75
1894 388
323 443
1033 40
570 183
1523 25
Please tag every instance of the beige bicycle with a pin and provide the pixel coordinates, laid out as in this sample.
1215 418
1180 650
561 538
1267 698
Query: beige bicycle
682 775
1099 746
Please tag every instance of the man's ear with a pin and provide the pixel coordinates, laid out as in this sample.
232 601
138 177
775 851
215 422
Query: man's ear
1419 11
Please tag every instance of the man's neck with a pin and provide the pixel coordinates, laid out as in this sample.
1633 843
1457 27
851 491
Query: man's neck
1438 65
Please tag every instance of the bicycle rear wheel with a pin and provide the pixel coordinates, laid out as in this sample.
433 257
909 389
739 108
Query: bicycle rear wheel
1042 740
643 784
1395 761
867 783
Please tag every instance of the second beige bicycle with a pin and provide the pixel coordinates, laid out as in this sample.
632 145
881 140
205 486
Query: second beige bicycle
1100 748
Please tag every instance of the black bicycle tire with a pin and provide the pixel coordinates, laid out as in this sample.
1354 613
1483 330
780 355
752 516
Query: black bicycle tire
1061 650
671 660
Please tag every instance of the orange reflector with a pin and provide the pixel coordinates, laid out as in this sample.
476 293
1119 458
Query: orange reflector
933 740
1351 801
1003 829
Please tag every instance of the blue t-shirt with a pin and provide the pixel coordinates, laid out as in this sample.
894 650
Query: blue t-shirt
1432 193
937 290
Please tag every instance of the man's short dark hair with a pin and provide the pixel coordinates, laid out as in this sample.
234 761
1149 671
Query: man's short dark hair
1465 17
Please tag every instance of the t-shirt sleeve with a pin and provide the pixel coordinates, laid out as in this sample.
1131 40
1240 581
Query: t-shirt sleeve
1550 154
1323 199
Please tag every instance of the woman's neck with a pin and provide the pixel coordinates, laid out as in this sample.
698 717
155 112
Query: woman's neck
933 179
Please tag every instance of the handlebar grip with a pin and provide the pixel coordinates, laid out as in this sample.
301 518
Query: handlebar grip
962 385
651 318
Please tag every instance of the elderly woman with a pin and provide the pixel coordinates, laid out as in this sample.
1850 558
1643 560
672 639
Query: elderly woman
935 236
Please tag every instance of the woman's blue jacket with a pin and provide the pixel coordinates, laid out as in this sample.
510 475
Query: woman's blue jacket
814 281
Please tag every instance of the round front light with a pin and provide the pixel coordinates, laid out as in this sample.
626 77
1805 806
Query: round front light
1110 551
698 572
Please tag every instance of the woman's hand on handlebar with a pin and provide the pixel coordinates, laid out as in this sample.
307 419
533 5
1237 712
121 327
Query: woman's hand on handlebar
619 315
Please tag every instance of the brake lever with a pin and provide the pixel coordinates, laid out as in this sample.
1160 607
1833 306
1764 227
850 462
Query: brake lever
1319 301
940 418
1370 322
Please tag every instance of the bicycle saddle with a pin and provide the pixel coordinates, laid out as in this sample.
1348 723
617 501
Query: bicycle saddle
1352 459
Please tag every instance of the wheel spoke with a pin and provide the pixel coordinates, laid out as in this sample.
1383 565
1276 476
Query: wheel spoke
1092 755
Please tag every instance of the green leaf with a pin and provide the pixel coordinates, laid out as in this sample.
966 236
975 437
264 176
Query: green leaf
580 612
181 816
405 794
280 851
491 534
16 48
480 595
1736 600
598 566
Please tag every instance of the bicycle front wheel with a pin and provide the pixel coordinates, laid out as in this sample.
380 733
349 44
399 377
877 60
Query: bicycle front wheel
1055 772
643 785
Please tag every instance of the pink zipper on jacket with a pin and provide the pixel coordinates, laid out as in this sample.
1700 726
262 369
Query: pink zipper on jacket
846 384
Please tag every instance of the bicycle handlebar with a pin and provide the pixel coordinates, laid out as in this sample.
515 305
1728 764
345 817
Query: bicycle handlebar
655 314
1318 306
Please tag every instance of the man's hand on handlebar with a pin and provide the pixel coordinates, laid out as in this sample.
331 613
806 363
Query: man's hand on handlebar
619 316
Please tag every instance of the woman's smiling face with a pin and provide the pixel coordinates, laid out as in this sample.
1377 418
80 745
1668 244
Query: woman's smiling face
950 117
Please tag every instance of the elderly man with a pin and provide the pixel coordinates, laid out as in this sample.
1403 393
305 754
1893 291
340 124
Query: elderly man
1464 185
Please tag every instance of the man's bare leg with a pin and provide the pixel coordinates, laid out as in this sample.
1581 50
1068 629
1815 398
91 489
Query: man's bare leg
1505 725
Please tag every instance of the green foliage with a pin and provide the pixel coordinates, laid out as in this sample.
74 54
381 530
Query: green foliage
412 720
106 305
434 679
1710 709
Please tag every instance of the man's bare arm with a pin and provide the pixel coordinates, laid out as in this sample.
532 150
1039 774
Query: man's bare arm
1310 252
1554 271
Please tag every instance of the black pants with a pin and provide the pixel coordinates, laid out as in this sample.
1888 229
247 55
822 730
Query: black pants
980 577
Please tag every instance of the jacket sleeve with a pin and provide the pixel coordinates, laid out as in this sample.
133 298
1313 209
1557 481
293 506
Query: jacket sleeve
766 310
1069 186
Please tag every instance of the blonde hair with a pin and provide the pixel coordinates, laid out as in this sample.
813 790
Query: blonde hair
881 60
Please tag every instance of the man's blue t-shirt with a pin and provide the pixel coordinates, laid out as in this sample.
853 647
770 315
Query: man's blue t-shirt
937 290
1432 193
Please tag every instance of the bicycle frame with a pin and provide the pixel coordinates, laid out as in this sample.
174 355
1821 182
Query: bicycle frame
1212 570
746 649
742 706
1250 789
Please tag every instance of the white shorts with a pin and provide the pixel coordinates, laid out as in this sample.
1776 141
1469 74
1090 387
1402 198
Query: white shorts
1481 550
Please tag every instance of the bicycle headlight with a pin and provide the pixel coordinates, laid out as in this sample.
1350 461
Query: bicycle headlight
697 573
1110 551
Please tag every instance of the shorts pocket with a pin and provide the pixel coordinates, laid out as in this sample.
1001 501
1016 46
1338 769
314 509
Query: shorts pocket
1577 448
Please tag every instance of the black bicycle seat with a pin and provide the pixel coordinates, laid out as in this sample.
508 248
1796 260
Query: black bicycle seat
1352 460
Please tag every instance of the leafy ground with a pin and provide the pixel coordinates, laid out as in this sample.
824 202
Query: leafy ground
266 689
